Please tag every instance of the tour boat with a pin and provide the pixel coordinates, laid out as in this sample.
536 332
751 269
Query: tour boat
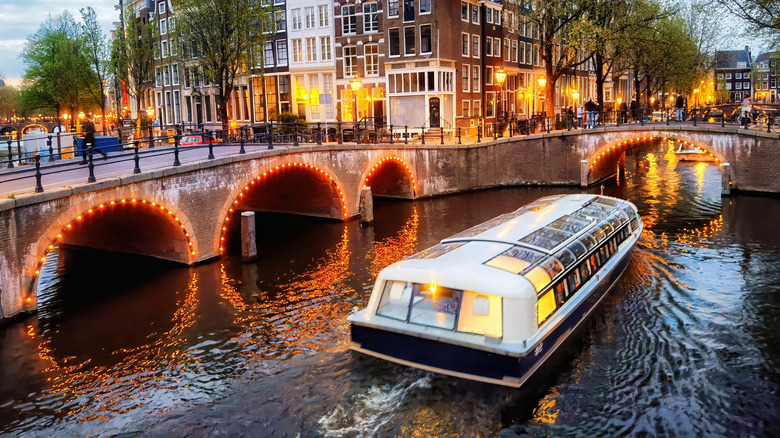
694 154
492 303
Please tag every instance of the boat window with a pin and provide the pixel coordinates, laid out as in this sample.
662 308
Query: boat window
616 221
583 271
545 307
592 212
588 241
634 224
570 224
481 228
435 306
566 257
480 314
560 292
594 262
395 299
573 281
628 210
577 248
551 265
436 251
539 277
598 234
546 237
515 259
604 252
607 201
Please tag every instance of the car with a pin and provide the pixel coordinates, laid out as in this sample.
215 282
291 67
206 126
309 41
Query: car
191 140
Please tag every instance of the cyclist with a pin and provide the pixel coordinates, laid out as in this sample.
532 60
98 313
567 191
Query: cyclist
746 104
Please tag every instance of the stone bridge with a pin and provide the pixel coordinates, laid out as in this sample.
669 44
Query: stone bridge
190 213
25 125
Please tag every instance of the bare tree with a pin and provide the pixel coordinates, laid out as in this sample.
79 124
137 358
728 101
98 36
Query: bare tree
97 53
132 56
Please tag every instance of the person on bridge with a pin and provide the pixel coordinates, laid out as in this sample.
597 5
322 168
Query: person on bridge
89 138
747 103
591 108
678 106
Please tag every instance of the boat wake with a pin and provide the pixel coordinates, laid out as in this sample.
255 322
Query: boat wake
366 412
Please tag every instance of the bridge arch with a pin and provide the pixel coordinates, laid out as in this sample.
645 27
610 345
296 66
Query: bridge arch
105 225
34 125
324 185
603 161
390 176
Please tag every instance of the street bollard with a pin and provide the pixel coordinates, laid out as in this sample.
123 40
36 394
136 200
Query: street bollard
295 134
319 134
241 140
357 129
51 149
91 177
376 134
495 131
459 135
83 150
406 134
271 134
340 134
59 145
211 146
136 158
391 134
694 118
38 185
422 134
511 134
723 120
441 131
479 133
176 141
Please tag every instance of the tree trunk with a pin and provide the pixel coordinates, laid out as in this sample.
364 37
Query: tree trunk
599 67
636 85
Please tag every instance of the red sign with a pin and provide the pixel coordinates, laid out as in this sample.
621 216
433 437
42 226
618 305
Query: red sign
541 95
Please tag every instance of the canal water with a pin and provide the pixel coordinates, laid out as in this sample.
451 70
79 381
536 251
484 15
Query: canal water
686 344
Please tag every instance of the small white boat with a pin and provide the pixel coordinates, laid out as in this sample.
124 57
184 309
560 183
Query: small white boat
694 154
492 303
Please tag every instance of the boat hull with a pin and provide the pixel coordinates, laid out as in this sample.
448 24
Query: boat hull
506 369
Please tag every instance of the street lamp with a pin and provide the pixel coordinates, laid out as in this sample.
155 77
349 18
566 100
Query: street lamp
500 78
542 81
355 84
696 96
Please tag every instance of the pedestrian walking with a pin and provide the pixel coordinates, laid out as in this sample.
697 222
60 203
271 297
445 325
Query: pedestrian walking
590 109
89 138
678 106
579 117
747 103
570 117
634 110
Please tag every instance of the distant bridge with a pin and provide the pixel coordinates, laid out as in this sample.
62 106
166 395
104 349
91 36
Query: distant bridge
188 213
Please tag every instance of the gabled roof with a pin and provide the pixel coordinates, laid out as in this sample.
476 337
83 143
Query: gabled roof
730 58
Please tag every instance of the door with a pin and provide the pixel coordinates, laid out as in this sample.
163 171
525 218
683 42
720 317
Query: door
379 113
433 107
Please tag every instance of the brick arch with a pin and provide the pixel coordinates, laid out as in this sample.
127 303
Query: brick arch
35 125
81 213
228 213
373 172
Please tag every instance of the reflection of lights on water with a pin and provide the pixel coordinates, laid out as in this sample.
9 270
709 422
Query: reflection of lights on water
396 248
705 231
548 412
698 171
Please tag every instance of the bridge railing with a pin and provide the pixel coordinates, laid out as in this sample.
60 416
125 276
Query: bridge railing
130 151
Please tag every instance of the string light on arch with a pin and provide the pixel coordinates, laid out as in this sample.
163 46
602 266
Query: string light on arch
79 219
267 174
385 160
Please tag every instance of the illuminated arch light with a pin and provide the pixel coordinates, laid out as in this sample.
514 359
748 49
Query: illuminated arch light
77 220
269 173
403 163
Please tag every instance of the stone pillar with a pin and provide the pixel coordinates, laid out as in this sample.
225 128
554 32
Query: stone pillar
584 174
366 206
248 236
725 179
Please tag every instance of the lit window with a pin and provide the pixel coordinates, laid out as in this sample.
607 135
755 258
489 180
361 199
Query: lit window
350 61
372 59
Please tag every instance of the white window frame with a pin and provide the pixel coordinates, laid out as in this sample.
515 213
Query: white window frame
311 49
325 49
348 22
352 72
371 60
309 17
324 16
468 44
475 48
370 18
295 17
466 78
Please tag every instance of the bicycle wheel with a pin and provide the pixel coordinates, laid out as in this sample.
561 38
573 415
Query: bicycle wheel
776 125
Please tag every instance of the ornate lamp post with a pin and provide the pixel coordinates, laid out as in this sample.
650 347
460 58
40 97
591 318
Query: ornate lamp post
355 84
542 81
500 79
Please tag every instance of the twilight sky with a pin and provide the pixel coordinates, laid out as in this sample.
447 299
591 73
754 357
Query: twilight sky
21 18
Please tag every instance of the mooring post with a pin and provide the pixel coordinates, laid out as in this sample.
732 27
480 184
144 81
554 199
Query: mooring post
584 174
51 149
38 185
366 206
248 237
725 179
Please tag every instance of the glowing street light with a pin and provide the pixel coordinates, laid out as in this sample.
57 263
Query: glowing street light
355 84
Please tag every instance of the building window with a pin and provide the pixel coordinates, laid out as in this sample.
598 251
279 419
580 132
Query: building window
297 47
325 48
175 74
506 49
464 11
425 6
497 47
490 102
475 79
728 75
161 8
765 76
311 49
408 10
514 51
773 83
296 19
281 21
157 77
308 14
323 13
496 17
475 14
475 46
720 75
392 8
409 40
488 46
166 75
476 109
466 70
165 49
395 42
528 53
370 18
350 61
371 52
738 76
348 20
536 54
489 75
728 85
489 16
746 85
163 27
281 52
466 108
464 44
425 39
268 54
739 85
